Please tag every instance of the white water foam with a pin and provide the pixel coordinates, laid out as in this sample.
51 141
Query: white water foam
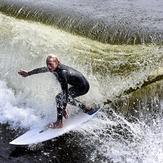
118 140
21 112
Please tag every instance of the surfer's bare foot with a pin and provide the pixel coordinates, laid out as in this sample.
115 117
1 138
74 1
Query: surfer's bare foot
65 113
57 124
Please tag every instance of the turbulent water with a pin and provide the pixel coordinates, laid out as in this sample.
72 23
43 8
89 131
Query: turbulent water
117 45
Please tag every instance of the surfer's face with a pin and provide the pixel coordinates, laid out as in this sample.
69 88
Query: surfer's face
51 64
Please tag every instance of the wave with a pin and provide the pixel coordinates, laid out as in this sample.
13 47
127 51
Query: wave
110 69
106 23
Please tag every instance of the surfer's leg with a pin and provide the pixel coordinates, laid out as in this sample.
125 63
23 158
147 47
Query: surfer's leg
58 123
73 93
75 102
60 112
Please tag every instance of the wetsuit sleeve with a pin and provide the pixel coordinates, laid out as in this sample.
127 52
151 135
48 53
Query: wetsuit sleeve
64 86
38 70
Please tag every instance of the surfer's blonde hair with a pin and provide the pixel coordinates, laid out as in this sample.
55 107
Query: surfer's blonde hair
54 58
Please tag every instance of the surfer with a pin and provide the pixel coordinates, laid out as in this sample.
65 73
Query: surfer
66 76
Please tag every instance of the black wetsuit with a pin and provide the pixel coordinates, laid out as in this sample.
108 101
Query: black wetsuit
67 76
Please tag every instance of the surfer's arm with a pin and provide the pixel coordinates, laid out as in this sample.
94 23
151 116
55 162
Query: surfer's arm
24 73
38 70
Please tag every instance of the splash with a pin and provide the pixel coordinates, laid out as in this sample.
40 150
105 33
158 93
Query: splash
110 69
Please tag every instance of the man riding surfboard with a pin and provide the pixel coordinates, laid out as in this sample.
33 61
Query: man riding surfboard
66 76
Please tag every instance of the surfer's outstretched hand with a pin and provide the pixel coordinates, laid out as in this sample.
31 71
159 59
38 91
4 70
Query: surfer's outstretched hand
23 73
65 113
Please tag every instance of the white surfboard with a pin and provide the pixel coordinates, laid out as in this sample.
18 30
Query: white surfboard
42 134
